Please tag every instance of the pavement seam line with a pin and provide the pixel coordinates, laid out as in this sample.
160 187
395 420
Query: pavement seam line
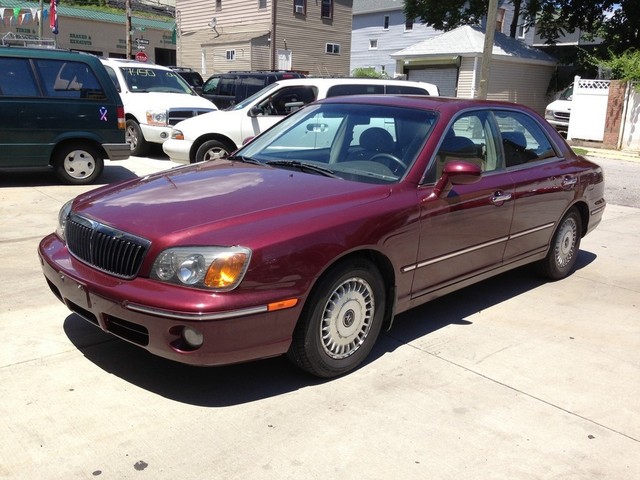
498 382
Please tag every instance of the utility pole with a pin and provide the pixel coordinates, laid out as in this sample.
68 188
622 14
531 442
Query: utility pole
40 30
489 31
127 25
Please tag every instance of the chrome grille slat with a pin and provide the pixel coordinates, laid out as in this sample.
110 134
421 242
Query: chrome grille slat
105 248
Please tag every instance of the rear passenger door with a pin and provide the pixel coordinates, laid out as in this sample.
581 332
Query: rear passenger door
545 184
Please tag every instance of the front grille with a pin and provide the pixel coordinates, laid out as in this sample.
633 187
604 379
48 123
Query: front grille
562 115
176 115
108 249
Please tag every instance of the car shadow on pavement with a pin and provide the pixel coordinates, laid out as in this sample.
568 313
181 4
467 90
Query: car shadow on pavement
237 384
45 177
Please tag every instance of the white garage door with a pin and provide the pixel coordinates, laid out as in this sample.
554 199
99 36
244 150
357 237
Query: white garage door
445 78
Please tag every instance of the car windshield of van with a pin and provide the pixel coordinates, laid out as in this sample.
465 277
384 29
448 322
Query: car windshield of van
144 80
253 98
357 142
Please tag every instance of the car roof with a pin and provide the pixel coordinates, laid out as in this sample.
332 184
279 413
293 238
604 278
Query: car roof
425 102
329 82
17 51
123 62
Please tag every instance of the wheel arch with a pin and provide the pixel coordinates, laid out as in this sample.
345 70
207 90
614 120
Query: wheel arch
205 138
78 141
387 274
583 210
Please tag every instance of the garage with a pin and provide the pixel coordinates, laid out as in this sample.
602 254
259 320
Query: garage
445 77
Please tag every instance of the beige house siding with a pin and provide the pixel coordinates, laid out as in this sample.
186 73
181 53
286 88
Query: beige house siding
520 82
240 25
467 82
307 37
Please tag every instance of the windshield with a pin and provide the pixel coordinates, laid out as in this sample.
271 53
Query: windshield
253 98
144 79
567 94
364 143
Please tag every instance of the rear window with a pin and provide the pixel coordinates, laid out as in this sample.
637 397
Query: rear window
405 90
340 90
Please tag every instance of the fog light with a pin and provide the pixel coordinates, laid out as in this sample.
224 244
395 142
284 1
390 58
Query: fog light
192 337
164 135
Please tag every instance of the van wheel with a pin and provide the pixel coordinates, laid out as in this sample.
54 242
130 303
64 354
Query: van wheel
133 135
78 163
212 150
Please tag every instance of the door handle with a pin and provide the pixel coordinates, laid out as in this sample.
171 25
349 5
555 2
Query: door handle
498 198
569 182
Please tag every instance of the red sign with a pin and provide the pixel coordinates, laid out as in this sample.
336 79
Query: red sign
141 57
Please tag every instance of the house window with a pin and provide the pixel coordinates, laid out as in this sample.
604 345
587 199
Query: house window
218 5
386 23
300 7
333 48
408 24
231 54
522 31
326 10
262 4
373 44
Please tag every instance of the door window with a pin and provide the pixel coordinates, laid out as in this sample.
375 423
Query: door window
16 78
523 140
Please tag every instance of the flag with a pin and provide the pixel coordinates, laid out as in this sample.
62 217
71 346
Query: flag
53 16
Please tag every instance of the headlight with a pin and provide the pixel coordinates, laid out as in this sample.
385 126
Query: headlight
157 118
211 268
177 134
63 215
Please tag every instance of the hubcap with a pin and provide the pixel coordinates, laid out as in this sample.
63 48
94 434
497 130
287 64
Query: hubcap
131 138
347 318
215 153
79 164
565 246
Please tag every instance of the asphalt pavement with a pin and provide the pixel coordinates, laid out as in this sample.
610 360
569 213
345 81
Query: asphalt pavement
513 378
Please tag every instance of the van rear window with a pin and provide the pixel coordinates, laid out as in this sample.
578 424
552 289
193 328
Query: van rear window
65 79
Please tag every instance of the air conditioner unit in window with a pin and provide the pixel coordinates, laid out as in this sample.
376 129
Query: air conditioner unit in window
299 9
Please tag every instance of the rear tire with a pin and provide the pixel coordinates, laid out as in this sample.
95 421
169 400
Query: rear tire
78 163
563 251
340 321
212 150
134 137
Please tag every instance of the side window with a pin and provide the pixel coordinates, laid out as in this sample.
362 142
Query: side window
250 85
16 78
288 99
211 85
113 77
339 90
523 139
470 139
65 79
227 86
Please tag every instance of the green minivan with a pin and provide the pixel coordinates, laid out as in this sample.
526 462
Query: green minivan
59 108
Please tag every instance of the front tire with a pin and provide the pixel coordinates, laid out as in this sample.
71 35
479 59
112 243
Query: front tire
563 251
340 321
134 137
212 150
78 163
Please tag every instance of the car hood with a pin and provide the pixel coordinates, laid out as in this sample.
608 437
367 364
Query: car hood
188 204
560 105
219 121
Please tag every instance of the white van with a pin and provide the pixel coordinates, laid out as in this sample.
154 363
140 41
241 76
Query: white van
558 112
155 98
216 134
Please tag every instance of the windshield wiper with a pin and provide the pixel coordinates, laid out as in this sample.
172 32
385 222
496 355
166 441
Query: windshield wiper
240 158
303 166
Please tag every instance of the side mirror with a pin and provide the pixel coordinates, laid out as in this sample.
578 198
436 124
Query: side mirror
457 173
255 111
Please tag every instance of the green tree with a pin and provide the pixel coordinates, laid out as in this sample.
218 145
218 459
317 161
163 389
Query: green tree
616 22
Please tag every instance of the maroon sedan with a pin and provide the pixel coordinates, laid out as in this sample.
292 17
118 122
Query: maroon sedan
315 234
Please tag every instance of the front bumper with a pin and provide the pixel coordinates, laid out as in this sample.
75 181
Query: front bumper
155 134
126 309
178 150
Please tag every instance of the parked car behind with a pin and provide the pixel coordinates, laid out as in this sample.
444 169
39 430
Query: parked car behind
316 233
155 98
227 89
189 75
558 112
219 133
59 109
